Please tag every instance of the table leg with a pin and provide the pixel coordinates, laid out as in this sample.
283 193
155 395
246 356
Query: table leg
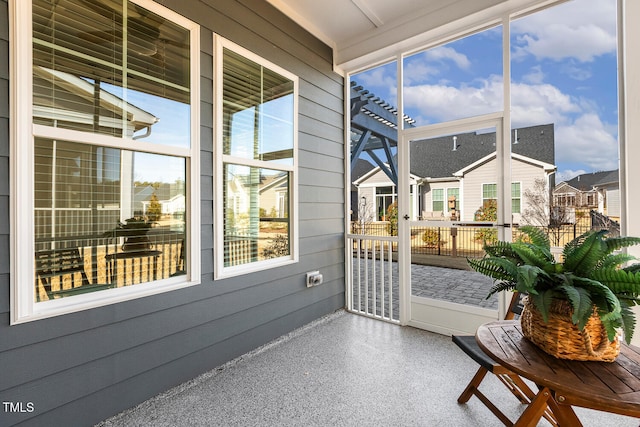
535 410
564 413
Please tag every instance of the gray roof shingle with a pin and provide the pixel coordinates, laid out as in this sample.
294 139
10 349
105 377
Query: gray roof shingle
436 158
587 181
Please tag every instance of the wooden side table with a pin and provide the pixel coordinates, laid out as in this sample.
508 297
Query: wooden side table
611 387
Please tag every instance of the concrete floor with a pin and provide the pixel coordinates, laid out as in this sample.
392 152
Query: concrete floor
341 370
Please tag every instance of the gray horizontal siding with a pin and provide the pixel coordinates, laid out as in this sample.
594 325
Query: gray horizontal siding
83 367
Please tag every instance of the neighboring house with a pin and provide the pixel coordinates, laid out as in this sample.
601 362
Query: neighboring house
598 191
458 173
273 196
359 206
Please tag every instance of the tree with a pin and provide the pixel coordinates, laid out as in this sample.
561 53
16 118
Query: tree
365 217
392 217
155 208
487 212
541 212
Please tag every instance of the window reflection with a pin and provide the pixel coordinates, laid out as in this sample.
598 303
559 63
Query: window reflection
258 110
82 82
120 214
256 219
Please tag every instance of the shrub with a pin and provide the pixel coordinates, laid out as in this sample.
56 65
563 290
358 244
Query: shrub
431 238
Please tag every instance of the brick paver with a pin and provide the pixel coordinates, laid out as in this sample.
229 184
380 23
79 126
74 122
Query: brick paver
446 284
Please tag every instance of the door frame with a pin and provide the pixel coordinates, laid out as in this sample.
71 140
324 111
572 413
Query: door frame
419 311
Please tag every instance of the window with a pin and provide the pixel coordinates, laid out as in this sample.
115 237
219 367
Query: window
257 163
515 197
489 194
105 143
385 196
437 200
453 195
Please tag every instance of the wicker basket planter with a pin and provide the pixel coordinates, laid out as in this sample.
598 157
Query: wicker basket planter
559 337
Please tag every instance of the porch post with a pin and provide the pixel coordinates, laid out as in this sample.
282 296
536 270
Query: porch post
629 121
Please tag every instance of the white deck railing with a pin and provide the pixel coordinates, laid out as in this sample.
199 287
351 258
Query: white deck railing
372 277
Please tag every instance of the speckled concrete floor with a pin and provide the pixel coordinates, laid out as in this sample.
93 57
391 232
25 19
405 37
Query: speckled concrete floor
342 370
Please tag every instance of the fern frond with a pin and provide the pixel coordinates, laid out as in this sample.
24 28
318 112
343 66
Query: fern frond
619 281
542 301
582 258
628 320
612 261
499 287
581 303
529 255
496 268
536 236
500 249
527 278
635 268
615 243
601 295
611 323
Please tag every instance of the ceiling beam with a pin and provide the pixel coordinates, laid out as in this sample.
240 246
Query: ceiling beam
370 14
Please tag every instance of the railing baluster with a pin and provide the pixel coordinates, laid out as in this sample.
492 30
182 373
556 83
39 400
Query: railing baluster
371 290
382 247
390 282
373 279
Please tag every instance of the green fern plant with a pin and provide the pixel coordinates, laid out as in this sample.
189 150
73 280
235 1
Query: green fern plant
591 275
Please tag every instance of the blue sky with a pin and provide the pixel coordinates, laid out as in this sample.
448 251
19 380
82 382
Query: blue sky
563 71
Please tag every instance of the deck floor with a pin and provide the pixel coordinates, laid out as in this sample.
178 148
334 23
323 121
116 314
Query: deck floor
341 370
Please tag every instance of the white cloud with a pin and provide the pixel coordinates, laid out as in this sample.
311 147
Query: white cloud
444 102
447 53
416 72
568 174
588 141
535 76
580 29
539 104
423 67
580 135
379 82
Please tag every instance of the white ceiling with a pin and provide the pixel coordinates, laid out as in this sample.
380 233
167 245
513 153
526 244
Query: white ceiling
362 32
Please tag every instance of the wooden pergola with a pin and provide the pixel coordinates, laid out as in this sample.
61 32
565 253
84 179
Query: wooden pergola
374 129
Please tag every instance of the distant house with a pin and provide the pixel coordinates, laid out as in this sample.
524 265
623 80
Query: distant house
454 176
273 196
598 191
361 168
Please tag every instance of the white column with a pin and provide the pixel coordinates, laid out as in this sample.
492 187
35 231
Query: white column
629 128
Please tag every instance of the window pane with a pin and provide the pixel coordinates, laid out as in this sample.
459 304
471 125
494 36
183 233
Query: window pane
256 214
258 111
104 218
454 194
489 191
80 82
438 200
460 79
515 197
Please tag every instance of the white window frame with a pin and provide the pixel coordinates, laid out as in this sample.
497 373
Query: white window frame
23 132
482 198
433 200
457 208
220 270
519 198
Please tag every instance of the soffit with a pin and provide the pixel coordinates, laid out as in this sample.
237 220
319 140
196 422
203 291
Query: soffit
363 32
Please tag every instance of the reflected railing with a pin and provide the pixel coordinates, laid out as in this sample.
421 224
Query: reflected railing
107 261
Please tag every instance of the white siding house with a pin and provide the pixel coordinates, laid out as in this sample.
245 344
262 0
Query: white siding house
464 178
